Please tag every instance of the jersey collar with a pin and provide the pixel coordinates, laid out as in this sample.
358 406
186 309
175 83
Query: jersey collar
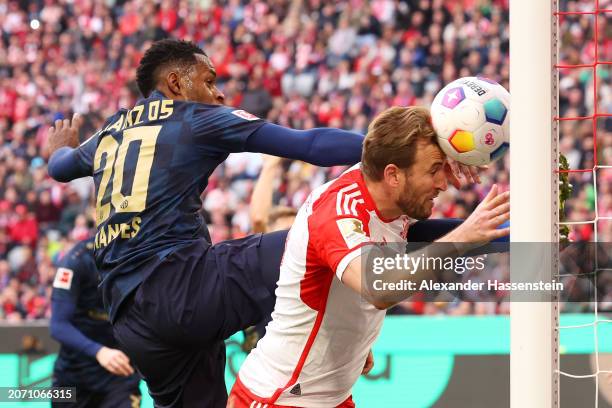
157 95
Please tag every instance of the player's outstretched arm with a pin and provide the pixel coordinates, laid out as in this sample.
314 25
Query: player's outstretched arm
481 227
319 146
431 230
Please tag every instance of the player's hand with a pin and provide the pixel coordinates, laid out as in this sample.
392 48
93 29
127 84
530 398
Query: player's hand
481 225
456 171
64 133
369 364
114 361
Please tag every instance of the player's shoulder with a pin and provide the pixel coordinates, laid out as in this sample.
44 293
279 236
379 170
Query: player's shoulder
341 198
81 253
344 193
338 213
109 123
223 112
75 265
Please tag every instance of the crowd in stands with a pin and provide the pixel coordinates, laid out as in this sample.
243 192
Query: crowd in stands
298 63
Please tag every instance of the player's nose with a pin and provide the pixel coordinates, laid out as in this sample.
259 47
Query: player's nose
441 183
220 97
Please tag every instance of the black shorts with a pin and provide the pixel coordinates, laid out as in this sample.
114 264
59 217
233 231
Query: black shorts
123 395
174 326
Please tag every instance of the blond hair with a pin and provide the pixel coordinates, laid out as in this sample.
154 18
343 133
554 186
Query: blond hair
392 139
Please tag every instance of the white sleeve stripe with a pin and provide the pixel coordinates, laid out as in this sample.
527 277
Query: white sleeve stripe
340 198
87 141
346 260
348 198
354 206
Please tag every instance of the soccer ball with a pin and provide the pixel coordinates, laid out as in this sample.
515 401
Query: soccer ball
471 117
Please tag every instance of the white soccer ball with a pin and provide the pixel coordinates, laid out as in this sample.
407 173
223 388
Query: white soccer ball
471 116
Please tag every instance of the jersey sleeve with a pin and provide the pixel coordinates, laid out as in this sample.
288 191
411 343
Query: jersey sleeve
221 129
86 152
318 146
66 283
67 164
340 234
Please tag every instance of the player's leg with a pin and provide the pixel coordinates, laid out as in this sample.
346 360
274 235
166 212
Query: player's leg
196 298
271 252
172 328
84 399
166 364
122 396
206 385
249 268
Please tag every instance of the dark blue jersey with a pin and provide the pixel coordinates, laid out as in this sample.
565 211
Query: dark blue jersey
80 323
151 164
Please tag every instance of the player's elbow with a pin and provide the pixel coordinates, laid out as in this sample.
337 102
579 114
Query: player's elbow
381 301
55 174
258 221
55 171
59 324
258 226
55 329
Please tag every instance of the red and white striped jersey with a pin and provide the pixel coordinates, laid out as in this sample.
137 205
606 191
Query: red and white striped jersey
321 331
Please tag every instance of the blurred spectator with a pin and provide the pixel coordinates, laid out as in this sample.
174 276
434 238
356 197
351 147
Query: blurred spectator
301 64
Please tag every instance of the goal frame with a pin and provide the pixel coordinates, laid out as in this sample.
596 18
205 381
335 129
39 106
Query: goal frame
534 357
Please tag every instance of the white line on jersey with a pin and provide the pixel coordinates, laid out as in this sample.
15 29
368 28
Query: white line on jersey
341 197
354 206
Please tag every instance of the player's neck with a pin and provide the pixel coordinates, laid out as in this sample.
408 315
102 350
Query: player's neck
385 206
168 93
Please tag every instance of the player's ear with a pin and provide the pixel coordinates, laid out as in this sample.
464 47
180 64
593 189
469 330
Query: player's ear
173 82
391 175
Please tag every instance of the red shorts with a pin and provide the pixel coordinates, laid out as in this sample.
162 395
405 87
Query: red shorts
241 397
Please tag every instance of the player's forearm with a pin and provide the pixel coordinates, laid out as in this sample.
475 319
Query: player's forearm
431 230
261 199
397 275
426 265
319 146
332 147
66 333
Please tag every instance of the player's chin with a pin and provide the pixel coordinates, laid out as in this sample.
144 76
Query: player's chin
426 210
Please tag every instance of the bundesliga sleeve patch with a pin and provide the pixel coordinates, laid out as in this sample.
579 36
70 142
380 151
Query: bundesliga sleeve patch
244 115
351 230
63 278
